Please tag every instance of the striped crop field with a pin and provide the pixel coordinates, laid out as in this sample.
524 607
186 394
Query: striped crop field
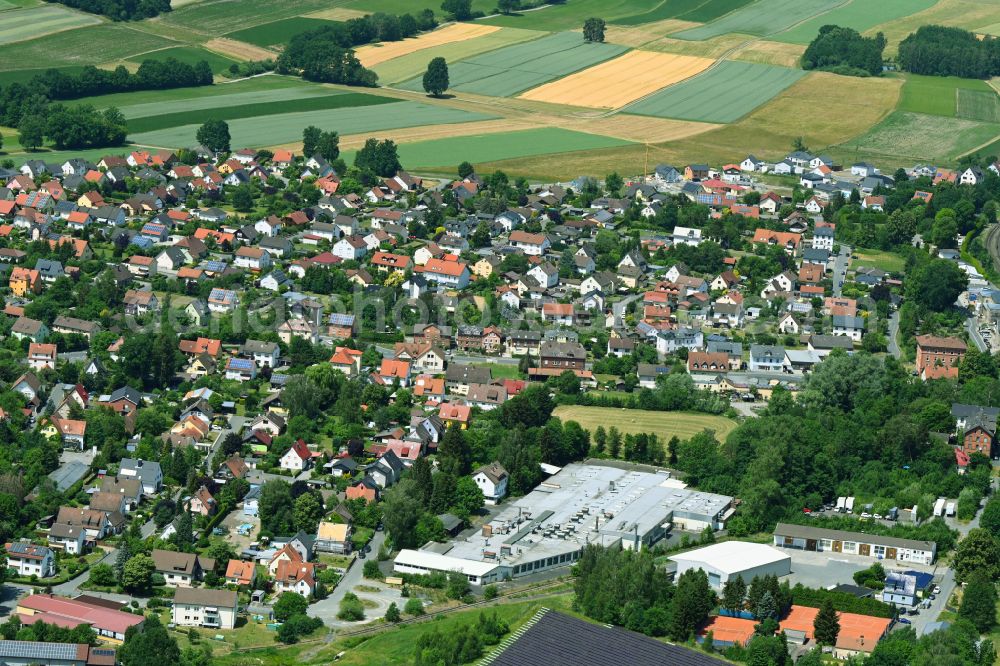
858 14
509 71
274 130
19 25
374 54
760 18
723 94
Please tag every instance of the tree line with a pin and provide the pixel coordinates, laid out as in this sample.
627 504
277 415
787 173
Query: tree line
943 51
120 10
844 51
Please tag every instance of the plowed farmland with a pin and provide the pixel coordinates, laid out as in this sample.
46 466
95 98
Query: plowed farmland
457 32
617 82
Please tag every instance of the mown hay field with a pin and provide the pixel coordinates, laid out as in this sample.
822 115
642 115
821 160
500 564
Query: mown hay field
238 50
218 17
904 138
414 64
374 54
277 33
723 94
936 95
615 83
92 44
701 11
190 55
760 18
272 130
978 105
664 425
23 24
858 14
509 71
449 152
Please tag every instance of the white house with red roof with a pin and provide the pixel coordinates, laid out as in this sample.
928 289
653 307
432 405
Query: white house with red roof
297 458
452 274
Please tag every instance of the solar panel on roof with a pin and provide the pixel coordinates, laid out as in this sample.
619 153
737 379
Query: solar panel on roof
240 364
32 650
215 266
341 319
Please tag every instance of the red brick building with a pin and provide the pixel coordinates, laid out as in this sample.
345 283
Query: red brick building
939 358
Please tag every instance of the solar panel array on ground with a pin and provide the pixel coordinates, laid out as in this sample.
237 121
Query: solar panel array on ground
514 69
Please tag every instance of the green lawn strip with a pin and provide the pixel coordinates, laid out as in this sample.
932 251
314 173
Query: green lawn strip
858 14
336 101
277 32
153 102
887 261
978 105
499 146
106 42
190 55
571 15
25 24
915 137
287 127
4 5
935 95
415 64
759 18
723 94
514 69
24 76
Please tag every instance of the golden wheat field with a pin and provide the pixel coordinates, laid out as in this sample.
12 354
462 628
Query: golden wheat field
617 82
457 32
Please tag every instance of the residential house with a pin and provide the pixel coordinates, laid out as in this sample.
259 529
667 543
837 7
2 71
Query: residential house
30 560
200 607
939 357
492 480
180 569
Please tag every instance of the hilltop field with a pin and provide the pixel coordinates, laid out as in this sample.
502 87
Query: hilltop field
675 80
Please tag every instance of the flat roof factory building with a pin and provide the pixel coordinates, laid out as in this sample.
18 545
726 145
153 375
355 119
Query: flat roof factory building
734 559
607 504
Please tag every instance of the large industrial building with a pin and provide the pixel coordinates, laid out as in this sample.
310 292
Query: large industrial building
602 503
729 560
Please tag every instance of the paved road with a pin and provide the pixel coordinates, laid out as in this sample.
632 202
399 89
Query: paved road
71 587
619 307
840 264
326 609
235 424
894 334
972 326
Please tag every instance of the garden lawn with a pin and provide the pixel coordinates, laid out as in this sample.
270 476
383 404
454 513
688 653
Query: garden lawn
760 18
634 421
499 146
235 112
936 95
723 94
887 261
415 64
82 46
517 68
190 55
287 128
978 105
915 137
23 24
858 14
702 11
277 33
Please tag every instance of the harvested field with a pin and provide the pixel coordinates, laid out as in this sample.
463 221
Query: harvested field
617 82
374 54
640 129
858 14
906 137
238 50
976 15
760 18
714 48
514 69
287 127
638 35
338 14
634 421
721 95
408 66
771 53
23 24
449 152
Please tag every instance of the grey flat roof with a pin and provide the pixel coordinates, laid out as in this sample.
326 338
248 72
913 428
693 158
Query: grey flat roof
807 532
68 474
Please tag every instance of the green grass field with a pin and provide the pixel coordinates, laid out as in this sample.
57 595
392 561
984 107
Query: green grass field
906 137
190 55
230 112
446 153
887 261
572 14
701 11
723 94
413 7
936 95
258 88
277 32
634 421
82 46
24 24
415 64
25 75
978 105
760 18
287 127
217 17
858 14
517 68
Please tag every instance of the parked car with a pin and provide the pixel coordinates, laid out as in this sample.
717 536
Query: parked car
903 620
937 589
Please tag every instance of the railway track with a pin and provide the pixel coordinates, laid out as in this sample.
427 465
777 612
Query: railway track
991 239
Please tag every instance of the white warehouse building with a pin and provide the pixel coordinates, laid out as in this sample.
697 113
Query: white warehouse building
734 559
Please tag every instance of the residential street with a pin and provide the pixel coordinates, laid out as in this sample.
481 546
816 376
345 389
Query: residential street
840 264
894 334
971 326
235 424
326 609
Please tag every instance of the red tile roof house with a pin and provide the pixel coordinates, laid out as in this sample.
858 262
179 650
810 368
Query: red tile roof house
939 358
109 624
297 458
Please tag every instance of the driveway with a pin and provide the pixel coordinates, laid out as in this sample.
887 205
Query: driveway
840 264
235 424
326 609
894 334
